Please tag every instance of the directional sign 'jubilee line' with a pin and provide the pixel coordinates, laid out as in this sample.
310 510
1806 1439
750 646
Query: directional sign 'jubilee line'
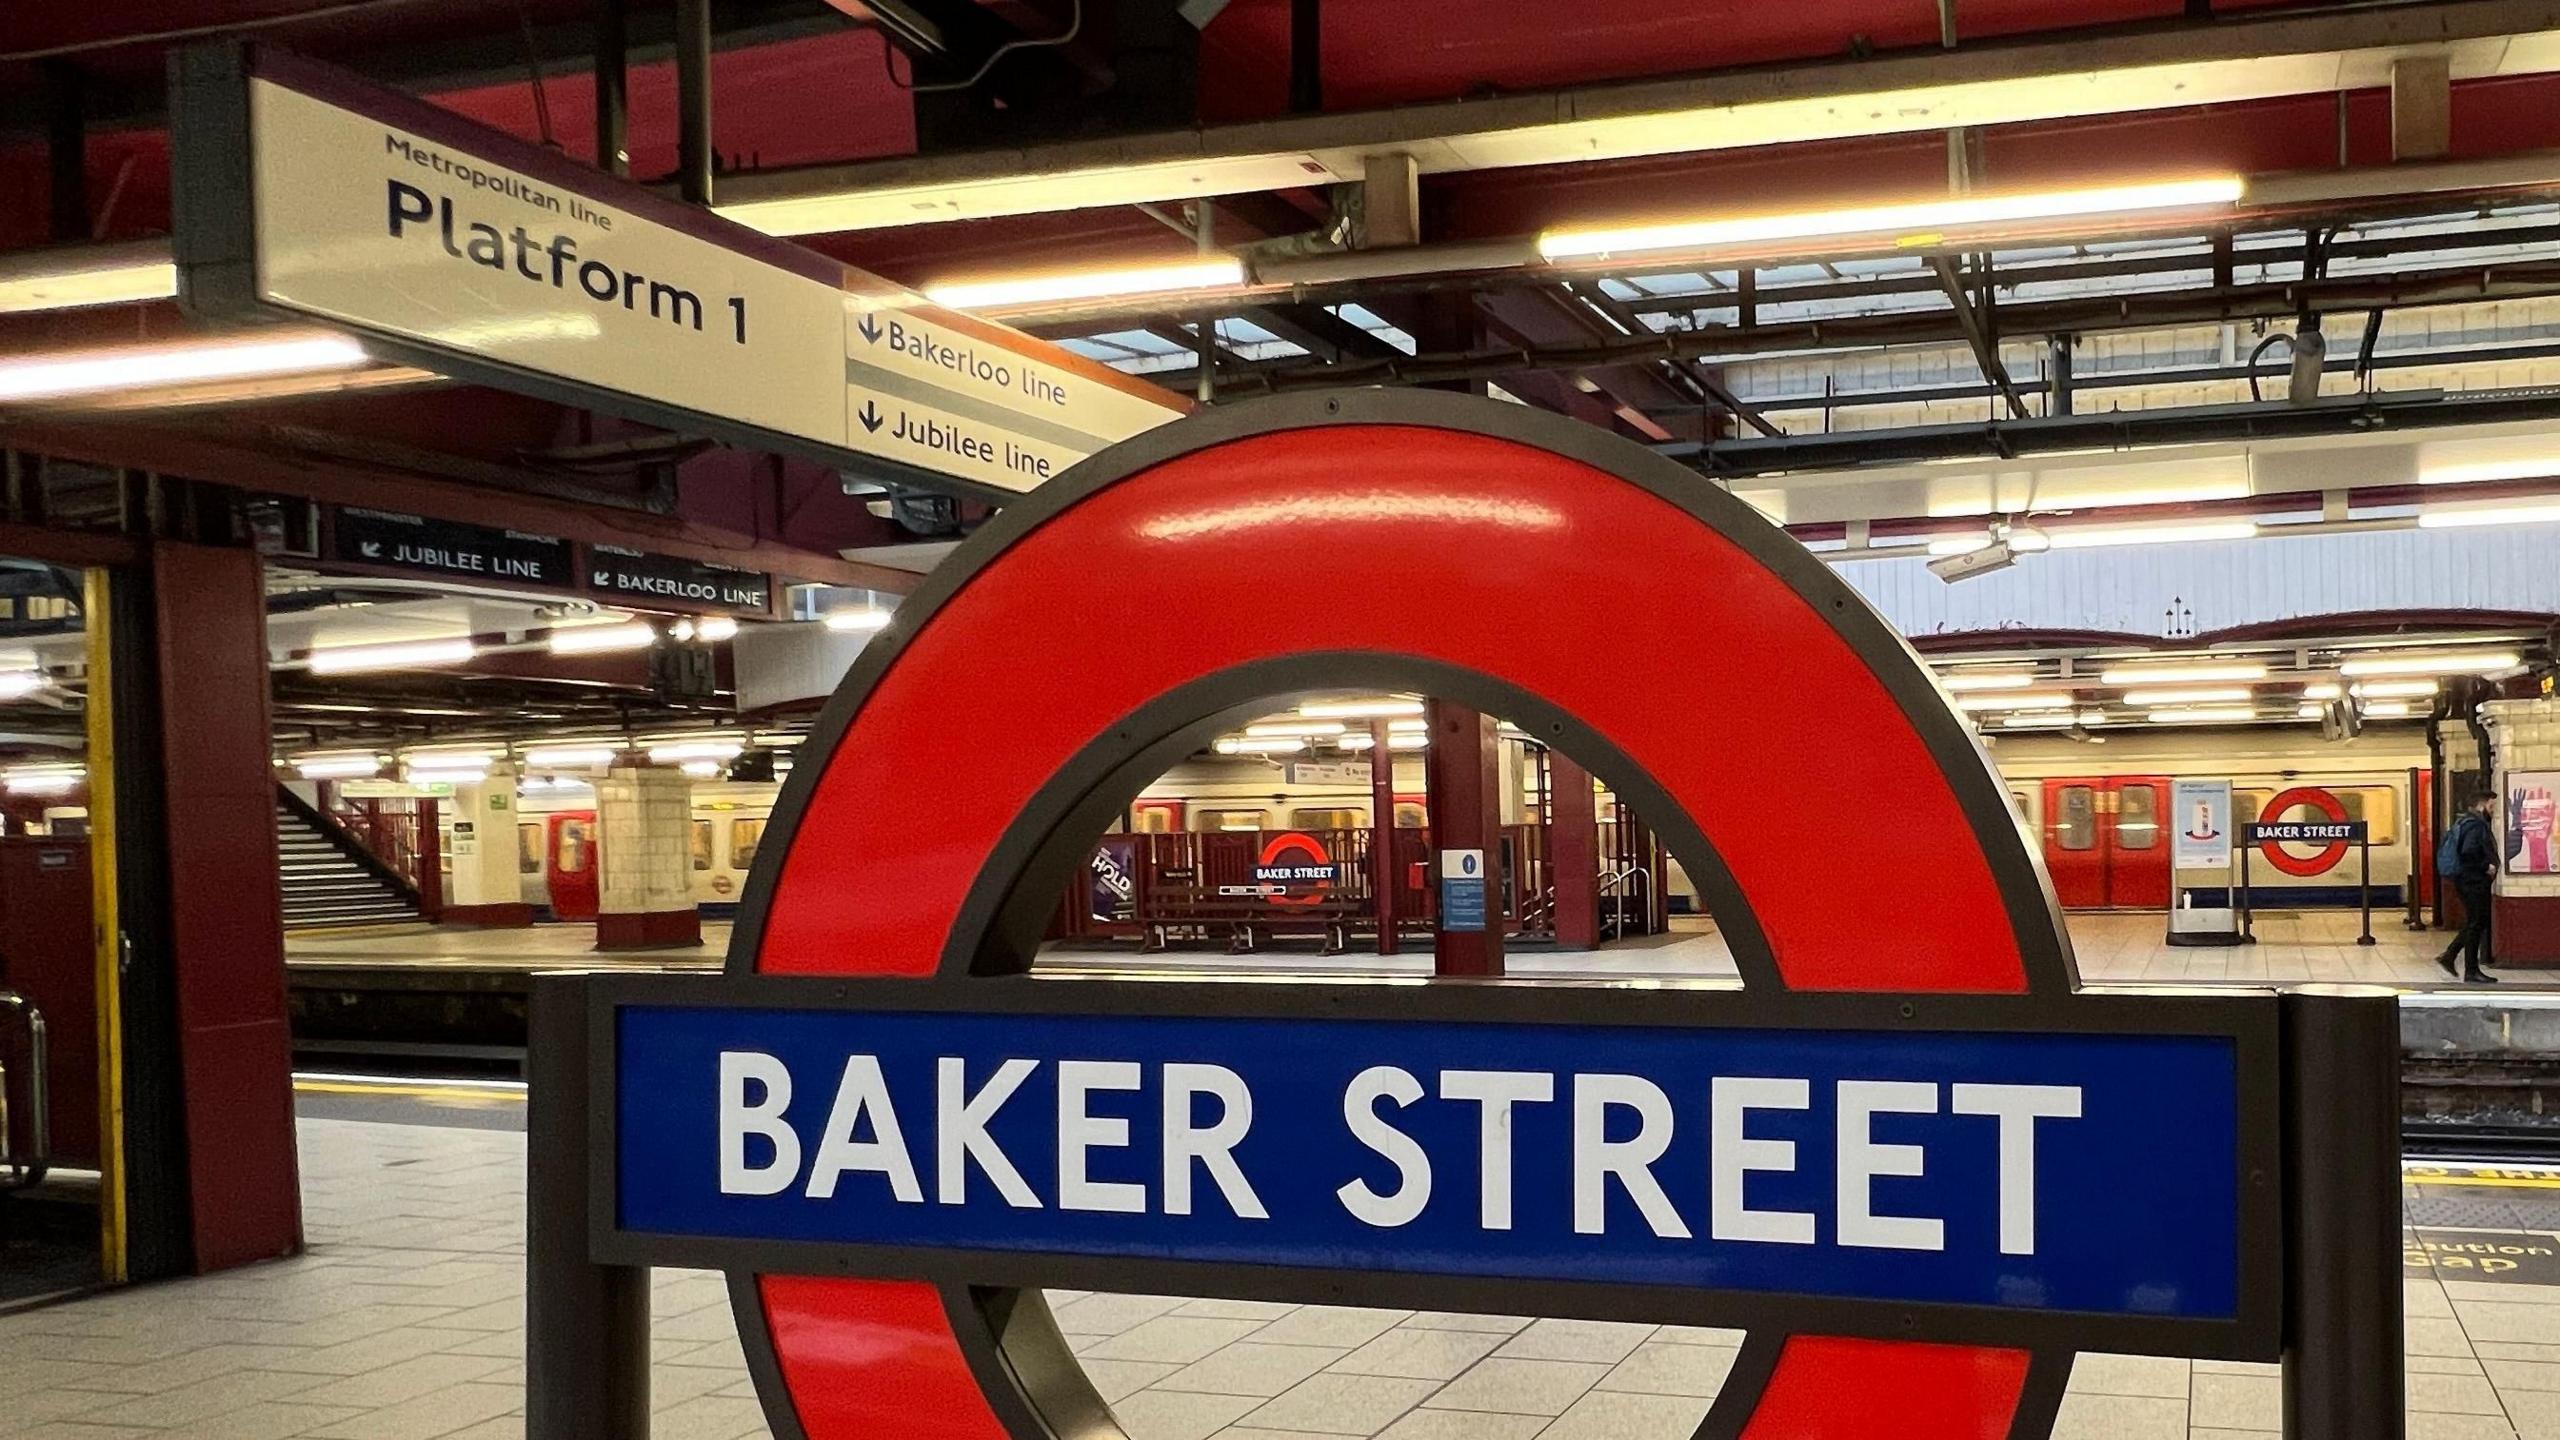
301 190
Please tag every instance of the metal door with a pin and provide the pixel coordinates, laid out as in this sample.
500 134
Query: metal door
2137 846
572 839
2075 841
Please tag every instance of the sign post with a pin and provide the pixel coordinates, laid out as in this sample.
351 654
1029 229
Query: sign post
2333 836
1909 1156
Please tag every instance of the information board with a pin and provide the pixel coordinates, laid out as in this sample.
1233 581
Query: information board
2201 810
1462 905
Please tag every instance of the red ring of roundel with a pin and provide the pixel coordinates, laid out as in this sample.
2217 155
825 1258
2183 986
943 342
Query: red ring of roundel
1554 575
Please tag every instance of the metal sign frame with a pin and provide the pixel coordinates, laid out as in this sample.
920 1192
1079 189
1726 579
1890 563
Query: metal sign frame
1973 940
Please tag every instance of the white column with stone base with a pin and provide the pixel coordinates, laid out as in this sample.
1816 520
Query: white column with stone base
487 885
645 881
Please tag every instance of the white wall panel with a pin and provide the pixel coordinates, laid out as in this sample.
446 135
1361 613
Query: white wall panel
2228 582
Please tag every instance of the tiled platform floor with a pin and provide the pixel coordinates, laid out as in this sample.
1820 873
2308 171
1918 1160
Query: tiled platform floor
404 1322
2132 948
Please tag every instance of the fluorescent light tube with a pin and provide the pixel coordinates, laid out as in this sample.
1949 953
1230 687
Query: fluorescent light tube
2200 671
1963 680
1201 274
351 659
1295 727
857 620
18 684
2394 689
2450 517
2202 714
82 276
1358 709
143 367
572 755
2207 696
2090 537
599 639
2015 700
2476 662
1913 223
342 767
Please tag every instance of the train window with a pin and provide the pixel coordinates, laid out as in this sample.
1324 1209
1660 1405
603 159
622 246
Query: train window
528 849
1306 818
2018 803
2075 822
701 844
2138 817
575 846
1230 819
744 837
1157 818
2378 806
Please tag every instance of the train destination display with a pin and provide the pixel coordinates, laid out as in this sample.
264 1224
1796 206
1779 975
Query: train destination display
302 190
2089 1172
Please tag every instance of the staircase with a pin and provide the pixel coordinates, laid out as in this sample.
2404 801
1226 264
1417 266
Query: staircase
326 884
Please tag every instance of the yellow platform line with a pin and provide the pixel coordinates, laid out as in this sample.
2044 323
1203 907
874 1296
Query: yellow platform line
422 1092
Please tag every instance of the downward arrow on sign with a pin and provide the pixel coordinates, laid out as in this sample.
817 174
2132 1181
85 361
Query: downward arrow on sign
870 329
870 417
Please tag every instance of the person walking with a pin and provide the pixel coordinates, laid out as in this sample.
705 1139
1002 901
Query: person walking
2468 857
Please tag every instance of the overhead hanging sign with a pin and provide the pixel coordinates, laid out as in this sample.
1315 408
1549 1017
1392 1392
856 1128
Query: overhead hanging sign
393 541
302 190
672 580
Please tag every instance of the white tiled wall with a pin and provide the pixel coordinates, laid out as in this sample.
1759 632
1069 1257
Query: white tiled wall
643 814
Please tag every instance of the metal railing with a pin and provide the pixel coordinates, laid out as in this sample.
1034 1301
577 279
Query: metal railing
402 834
21 1168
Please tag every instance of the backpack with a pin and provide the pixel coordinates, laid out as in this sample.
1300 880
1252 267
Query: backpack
2449 849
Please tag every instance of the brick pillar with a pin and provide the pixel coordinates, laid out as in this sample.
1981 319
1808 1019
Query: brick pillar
644 894
1462 775
488 886
1573 840
2524 736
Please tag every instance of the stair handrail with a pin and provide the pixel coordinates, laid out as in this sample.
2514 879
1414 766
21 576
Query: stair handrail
24 1171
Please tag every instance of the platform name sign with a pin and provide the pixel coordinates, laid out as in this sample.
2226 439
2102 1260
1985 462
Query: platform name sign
302 191
2309 832
643 578
2036 1173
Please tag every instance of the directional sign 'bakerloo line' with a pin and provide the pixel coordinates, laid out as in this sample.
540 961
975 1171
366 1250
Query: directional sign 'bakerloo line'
301 189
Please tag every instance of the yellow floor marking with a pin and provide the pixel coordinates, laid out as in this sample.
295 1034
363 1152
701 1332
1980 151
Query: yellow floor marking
2508 1182
422 1092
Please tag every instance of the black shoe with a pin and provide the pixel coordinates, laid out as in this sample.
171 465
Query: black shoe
2479 977
2444 962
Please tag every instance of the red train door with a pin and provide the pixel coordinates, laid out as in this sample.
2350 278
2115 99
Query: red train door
2075 841
2137 850
572 865
2103 843
45 956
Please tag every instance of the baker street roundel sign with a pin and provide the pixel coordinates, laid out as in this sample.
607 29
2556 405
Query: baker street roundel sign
1904 1155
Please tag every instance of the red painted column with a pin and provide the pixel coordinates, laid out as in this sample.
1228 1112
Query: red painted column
226 920
1463 776
1573 831
1382 834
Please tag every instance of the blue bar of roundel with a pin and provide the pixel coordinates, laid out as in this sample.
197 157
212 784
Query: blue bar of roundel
2136 1200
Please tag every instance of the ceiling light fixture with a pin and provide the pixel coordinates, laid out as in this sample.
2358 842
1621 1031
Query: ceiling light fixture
2386 709
46 780
1358 709
2090 537
2183 673
600 639
19 684
2200 696
571 755
715 627
353 659
2392 689
141 367
82 276
337 767
2015 700
1917 223
2202 715
1203 274
1268 745
867 618
2325 690
684 750
2474 662
1294 727
2451 517
1963 680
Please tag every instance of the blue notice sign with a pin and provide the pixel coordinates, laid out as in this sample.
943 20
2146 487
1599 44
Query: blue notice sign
2095 1173
1462 890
